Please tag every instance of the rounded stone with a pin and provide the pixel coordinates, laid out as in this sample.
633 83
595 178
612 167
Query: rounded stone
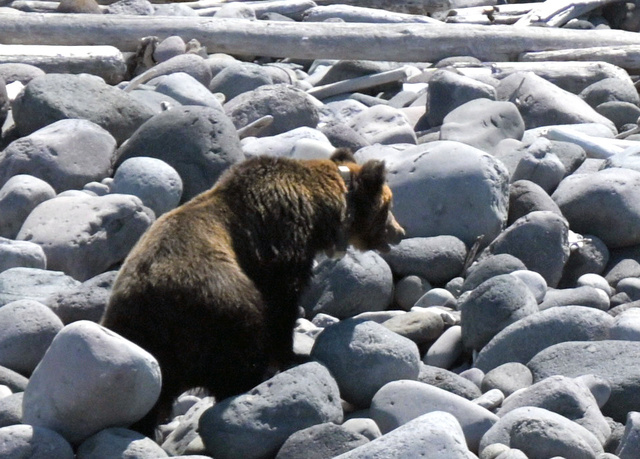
54 97
27 328
157 184
363 356
18 197
34 442
118 442
508 378
90 379
423 179
199 142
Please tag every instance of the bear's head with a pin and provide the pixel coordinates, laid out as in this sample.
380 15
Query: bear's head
370 223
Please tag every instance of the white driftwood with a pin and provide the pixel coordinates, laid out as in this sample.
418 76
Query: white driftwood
386 42
399 6
594 147
104 61
626 57
555 13
291 8
363 82
360 14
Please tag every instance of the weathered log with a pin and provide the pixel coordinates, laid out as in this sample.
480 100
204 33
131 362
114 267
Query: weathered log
386 42
627 57
363 82
399 6
291 8
555 13
104 61
359 14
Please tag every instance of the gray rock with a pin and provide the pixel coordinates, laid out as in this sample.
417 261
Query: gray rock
522 340
33 442
322 441
26 331
14 254
90 379
626 326
54 97
290 107
568 397
620 113
542 434
630 286
84 236
189 63
399 402
86 301
118 442
448 90
169 47
18 197
131 7
508 378
526 197
11 409
157 184
408 290
540 240
628 158
612 192
491 266
446 350
630 442
33 284
613 361
363 356
384 125
256 424
364 426
492 306
14 381
580 296
423 179
358 282
534 282
622 263
14 71
436 259
490 400
599 387
449 381
438 432
540 166
239 77
437 297
205 139
66 154
420 326
178 441
186 90
542 103
609 90
312 142
483 123
589 256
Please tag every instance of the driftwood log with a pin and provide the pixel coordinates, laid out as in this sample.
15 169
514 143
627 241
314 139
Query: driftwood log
387 42
627 57
104 61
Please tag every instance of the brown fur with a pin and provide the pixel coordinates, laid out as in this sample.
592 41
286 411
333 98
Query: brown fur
212 288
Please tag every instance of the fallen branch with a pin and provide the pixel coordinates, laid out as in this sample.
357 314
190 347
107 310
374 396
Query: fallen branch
104 61
363 82
385 42
555 13
626 57
360 14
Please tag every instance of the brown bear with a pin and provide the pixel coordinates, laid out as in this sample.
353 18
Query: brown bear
211 289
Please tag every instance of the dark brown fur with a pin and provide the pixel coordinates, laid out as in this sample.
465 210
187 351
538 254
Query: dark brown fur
212 288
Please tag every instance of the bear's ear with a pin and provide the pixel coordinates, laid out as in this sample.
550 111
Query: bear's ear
343 155
372 176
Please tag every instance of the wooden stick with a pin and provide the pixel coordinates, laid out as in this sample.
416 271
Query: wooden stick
363 82
104 61
386 42
555 13
626 57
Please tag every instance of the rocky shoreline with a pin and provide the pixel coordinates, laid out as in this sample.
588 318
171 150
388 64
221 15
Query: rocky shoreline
505 326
